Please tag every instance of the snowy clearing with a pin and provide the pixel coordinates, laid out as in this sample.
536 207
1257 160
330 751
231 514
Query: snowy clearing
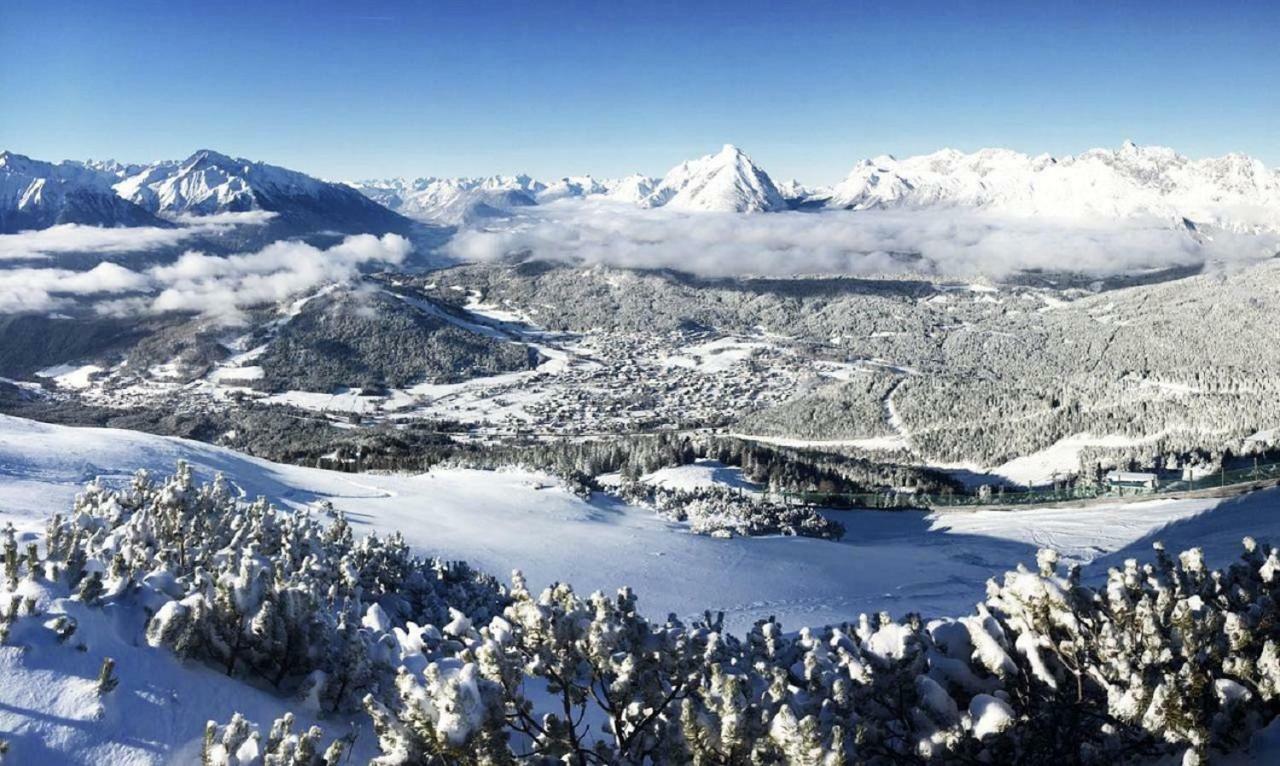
1061 458
70 375
701 474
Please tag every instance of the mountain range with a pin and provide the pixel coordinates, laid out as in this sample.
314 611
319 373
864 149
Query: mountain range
36 195
727 181
1233 192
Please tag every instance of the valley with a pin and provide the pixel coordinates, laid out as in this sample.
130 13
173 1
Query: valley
276 437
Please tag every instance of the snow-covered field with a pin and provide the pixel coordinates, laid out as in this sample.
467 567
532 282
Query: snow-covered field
906 561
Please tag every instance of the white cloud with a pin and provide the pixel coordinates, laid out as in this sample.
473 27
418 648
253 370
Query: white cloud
47 289
222 285
215 220
864 243
74 238
219 286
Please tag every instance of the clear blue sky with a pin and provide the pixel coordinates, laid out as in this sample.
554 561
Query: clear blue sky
360 89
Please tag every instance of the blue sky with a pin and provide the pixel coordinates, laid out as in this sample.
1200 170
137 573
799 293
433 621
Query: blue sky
352 90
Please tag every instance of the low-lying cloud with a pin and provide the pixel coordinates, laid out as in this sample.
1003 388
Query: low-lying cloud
40 244
74 237
865 243
216 286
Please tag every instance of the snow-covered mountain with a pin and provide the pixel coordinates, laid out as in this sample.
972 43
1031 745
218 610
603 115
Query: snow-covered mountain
208 182
36 195
572 187
727 181
1235 191
634 188
724 182
459 201
793 191
454 201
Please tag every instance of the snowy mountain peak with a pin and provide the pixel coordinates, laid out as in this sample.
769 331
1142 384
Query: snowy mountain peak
210 158
725 182
14 162
209 182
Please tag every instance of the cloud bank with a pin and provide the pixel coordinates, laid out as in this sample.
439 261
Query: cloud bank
216 286
866 243
74 237
79 238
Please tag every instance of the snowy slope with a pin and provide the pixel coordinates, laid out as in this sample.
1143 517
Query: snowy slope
1234 191
724 182
900 562
51 713
793 190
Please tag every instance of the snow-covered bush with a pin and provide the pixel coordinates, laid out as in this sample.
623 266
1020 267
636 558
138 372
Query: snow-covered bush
281 595
239 743
724 512
1164 659
1167 659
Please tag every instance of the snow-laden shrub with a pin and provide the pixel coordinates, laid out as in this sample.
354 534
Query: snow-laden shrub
725 512
1167 659
240 743
282 595
1163 659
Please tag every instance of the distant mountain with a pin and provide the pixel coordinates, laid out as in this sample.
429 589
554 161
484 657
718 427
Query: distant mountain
793 191
634 188
572 187
1234 192
725 182
37 195
208 182
454 201
460 201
